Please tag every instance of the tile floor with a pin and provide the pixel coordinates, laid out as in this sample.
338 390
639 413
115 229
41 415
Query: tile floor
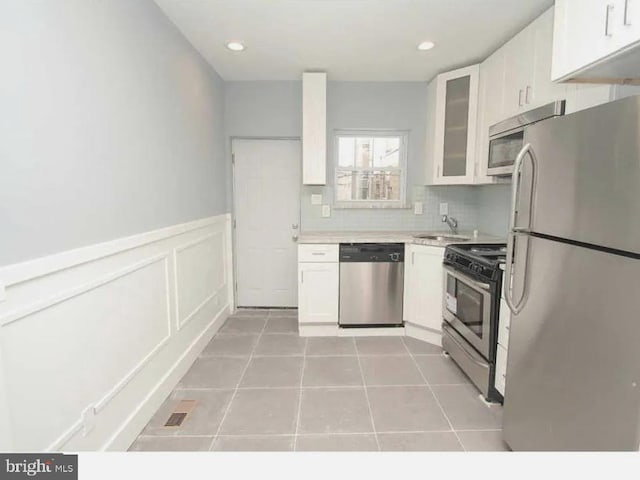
259 386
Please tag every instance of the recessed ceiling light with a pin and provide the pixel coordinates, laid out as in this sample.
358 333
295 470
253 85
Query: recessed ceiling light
426 46
235 46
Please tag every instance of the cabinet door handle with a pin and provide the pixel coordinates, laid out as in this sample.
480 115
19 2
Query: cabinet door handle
625 20
302 276
527 96
438 174
520 97
607 16
413 258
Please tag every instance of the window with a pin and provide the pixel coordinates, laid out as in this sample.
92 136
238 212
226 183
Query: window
370 168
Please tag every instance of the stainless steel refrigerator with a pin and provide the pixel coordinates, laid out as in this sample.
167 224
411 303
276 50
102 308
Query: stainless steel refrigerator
573 371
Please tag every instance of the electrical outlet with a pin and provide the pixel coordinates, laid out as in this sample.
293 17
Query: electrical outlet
316 199
444 209
88 420
326 211
417 208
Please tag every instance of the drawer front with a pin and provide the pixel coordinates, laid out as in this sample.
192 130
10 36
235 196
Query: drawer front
471 363
318 253
504 324
501 369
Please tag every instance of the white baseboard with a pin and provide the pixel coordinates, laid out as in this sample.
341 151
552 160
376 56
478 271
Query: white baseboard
139 418
94 339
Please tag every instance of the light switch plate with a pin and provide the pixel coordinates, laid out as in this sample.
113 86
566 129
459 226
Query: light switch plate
326 211
417 208
316 199
444 209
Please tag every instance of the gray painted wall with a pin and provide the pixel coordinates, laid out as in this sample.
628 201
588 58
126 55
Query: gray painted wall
261 109
275 109
111 125
381 105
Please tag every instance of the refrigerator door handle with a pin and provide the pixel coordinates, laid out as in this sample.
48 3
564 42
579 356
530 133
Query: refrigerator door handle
515 186
514 306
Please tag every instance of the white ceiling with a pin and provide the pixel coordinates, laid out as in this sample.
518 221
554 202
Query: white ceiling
371 40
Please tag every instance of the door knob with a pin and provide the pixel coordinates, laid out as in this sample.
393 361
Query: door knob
294 238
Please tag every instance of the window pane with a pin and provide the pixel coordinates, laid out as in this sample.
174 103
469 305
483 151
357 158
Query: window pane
364 151
386 152
346 151
372 186
344 186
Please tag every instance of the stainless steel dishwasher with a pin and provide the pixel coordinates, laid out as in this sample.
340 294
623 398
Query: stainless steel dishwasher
371 284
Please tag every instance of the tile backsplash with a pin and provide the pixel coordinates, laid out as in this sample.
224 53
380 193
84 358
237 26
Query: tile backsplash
481 208
493 202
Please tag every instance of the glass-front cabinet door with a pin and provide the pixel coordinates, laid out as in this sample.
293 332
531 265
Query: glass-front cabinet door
455 123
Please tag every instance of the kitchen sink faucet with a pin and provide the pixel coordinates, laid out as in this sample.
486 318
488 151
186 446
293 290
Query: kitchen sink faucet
452 222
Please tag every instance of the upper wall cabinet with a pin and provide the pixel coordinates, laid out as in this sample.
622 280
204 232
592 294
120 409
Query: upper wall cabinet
527 81
452 123
314 128
514 79
596 40
519 55
490 110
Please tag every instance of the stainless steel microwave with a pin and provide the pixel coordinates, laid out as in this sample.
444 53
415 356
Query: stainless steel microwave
506 138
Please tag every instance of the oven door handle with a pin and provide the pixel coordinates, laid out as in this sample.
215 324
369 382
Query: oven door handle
475 283
463 348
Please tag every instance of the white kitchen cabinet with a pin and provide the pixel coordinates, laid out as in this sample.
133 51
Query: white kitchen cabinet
452 124
519 69
585 95
423 286
504 324
314 128
543 89
318 292
490 111
318 252
501 369
528 83
502 352
596 39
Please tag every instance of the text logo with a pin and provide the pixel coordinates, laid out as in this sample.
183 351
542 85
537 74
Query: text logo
52 466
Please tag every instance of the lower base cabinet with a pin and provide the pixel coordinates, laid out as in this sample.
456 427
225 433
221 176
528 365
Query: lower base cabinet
504 324
318 293
423 286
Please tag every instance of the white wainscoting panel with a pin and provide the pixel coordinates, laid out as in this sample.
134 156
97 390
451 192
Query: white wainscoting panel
197 282
92 340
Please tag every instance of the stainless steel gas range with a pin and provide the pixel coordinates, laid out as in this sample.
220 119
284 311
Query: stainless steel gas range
472 283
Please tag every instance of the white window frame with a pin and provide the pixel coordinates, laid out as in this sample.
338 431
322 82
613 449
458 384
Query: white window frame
403 153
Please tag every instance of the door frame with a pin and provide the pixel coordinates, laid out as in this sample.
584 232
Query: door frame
234 233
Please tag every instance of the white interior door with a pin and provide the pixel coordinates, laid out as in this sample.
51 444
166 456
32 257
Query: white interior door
267 214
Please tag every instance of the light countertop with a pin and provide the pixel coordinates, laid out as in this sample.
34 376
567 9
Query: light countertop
396 237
